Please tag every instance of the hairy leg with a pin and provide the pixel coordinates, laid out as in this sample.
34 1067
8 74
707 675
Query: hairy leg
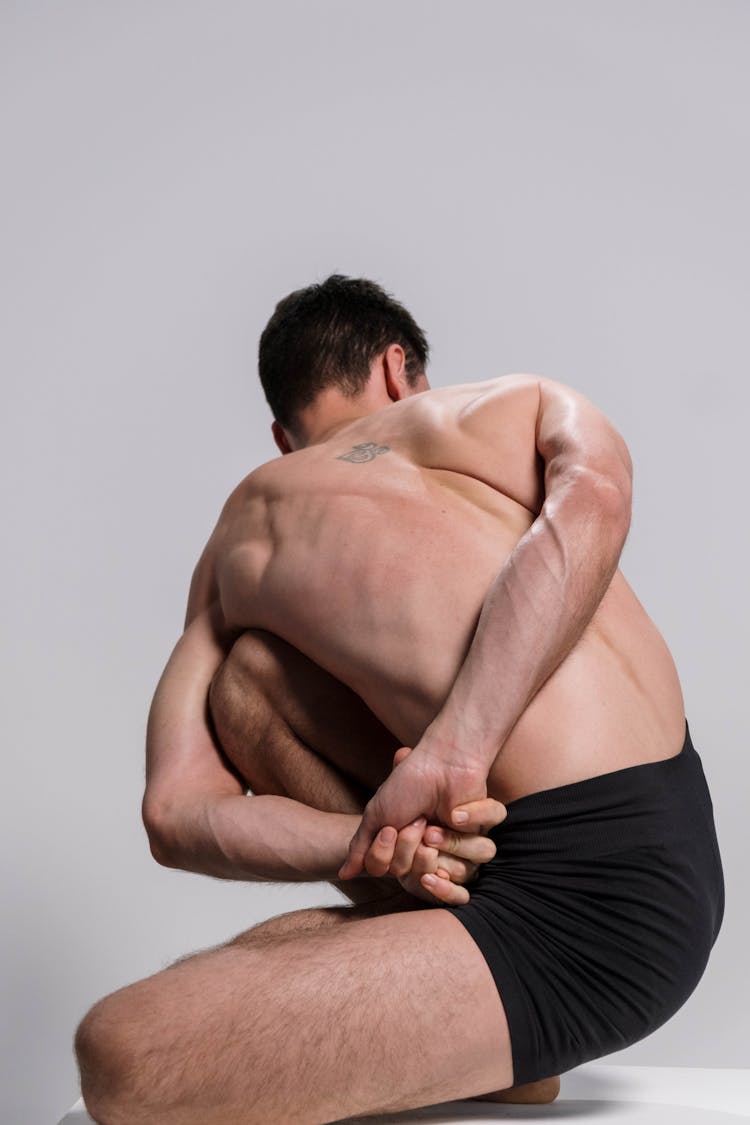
382 1015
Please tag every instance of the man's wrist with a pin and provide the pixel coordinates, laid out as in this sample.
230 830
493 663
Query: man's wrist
454 739
344 826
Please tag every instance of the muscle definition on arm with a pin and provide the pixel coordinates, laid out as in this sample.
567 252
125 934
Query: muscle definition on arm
552 583
534 612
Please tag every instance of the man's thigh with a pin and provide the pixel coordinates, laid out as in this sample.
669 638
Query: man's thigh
321 712
382 1015
312 918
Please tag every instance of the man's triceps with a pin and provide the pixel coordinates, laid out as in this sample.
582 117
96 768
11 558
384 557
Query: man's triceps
183 762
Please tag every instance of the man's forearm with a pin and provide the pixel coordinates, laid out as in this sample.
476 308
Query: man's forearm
258 838
534 613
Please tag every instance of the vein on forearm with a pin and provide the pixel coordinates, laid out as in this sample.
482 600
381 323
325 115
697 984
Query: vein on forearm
536 610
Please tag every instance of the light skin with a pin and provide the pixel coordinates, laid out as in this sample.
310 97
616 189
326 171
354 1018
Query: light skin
486 529
265 685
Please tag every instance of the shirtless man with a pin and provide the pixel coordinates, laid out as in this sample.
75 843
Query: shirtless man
416 611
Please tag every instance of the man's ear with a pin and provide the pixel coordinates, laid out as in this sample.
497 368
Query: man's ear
396 380
279 436
394 372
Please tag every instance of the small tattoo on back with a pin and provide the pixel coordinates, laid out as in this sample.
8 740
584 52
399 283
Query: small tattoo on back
365 451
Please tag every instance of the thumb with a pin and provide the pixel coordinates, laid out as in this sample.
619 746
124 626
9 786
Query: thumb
478 816
400 754
358 845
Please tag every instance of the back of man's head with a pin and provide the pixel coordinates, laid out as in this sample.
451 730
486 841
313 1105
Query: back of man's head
327 335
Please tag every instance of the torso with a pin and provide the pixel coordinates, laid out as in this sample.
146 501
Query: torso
377 571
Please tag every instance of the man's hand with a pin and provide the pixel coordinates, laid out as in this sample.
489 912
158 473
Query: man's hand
432 862
420 783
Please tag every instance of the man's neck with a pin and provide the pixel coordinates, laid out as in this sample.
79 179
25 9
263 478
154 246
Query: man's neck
332 412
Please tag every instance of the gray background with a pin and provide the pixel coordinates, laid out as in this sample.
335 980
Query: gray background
549 187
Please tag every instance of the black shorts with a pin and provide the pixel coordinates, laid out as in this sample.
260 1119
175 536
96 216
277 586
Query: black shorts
599 911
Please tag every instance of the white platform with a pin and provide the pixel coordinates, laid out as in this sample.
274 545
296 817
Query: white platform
596 1094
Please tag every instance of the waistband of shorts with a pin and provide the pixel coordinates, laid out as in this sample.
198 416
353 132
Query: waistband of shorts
639 805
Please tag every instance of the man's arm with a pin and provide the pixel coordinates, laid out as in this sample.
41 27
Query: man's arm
194 808
195 811
553 581
535 611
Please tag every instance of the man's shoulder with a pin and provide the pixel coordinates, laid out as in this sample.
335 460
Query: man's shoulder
502 385
505 382
497 391
483 430
485 407
255 484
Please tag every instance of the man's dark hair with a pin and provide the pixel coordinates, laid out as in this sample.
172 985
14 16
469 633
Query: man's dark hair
328 335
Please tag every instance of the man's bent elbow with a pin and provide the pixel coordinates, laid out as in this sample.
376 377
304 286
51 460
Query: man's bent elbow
615 497
618 482
605 499
163 854
604 473
160 837
609 491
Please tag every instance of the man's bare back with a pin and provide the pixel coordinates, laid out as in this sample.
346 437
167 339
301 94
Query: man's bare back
372 551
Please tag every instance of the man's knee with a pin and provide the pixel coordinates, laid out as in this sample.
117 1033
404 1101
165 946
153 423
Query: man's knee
252 661
247 674
105 1061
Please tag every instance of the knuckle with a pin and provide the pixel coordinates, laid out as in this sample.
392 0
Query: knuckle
374 863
